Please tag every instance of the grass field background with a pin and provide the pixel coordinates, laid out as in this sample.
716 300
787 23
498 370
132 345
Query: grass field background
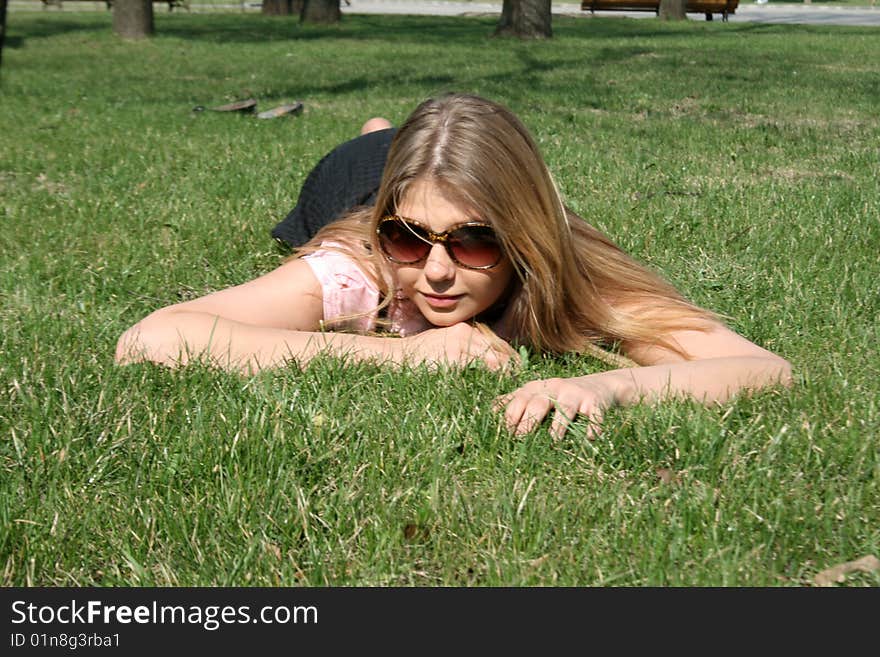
741 160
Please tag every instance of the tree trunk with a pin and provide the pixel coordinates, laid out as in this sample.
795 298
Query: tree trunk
527 19
2 26
673 10
133 19
282 7
320 11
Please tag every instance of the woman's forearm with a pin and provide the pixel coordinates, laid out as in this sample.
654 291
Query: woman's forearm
707 380
176 338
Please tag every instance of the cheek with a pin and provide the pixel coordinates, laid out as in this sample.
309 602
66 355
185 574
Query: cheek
493 288
404 277
504 276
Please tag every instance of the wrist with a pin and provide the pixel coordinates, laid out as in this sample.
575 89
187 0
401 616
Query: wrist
622 383
373 347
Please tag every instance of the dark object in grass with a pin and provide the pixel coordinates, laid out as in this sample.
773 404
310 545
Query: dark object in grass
414 532
282 110
243 106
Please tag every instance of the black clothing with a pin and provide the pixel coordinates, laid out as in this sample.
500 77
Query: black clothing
345 178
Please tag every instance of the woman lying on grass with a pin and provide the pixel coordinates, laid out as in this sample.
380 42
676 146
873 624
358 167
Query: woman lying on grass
467 230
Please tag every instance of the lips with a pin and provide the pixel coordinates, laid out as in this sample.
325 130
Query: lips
441 300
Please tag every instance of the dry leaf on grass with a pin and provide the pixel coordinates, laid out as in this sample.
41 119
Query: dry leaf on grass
667 475
534 563
838 573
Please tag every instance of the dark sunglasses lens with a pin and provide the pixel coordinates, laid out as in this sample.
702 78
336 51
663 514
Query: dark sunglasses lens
475 246
401 241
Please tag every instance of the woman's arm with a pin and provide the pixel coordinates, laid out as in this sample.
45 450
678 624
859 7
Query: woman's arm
722 364
275 318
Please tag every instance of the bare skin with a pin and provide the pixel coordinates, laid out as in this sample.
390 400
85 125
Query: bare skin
374 124
723 364
277 318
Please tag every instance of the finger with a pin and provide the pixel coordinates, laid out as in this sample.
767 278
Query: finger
497 360
562 418
524 413
535 412
514 409
594 415
477 351
501 401
526 406
490 360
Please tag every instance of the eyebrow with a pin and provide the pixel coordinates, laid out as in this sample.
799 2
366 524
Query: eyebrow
469 222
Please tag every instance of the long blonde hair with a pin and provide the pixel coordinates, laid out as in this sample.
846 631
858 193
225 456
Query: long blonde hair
574 287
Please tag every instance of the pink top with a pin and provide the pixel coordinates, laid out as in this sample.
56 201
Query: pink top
347 290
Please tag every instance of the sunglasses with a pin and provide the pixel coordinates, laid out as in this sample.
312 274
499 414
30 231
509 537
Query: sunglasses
471 245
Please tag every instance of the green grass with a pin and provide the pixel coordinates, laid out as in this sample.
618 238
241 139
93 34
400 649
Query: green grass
740 159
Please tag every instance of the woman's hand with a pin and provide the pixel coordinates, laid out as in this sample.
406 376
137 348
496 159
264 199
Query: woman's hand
708 380
458 344
589 396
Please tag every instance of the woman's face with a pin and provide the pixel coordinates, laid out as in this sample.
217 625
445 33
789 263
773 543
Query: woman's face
444 292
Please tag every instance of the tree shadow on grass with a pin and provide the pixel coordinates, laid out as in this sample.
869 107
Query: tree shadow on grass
49 26
521 82
367 84
224 28
452 30
260 29
255 28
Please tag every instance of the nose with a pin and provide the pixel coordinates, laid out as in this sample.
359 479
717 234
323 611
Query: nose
439 267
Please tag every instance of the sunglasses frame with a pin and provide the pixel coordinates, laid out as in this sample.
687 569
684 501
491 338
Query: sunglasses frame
435 238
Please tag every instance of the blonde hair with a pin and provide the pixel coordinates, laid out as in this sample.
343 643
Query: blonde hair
574 288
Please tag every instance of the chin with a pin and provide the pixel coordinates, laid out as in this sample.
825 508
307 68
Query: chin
443 320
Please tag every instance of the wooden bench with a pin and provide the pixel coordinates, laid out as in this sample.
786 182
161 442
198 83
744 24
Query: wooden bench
171 3
707 7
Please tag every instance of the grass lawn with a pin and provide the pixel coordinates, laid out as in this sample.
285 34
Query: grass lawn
739 159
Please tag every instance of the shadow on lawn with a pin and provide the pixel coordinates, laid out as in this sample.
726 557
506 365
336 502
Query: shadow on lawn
259 29
38 28
520 83
443 29
251 28
229 28
453 30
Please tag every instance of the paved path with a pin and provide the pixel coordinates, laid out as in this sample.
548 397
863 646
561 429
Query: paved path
814 15
746 12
